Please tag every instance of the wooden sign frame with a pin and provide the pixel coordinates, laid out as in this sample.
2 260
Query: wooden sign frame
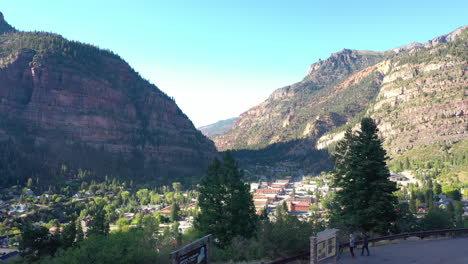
197 252
324 246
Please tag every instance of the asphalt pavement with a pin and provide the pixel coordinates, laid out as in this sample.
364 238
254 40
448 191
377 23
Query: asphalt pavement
442 251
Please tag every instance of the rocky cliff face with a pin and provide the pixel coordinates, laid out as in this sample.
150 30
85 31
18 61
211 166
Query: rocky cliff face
421 108
311 107
422 99
417 94
66 93
433 42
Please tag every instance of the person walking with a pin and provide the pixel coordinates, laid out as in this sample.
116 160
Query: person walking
352 243
365 243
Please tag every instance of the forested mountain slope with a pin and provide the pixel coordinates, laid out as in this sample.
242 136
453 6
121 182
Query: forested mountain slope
65 102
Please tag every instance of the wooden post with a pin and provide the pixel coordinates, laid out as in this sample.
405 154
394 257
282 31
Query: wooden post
337 246
313 250
208 249
185 251
173 259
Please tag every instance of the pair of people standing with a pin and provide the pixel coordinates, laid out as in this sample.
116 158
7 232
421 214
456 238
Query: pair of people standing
365 244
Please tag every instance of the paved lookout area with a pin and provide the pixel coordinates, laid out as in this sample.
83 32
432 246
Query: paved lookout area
443 251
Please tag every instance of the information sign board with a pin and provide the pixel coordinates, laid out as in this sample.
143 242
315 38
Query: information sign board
326 244
194 253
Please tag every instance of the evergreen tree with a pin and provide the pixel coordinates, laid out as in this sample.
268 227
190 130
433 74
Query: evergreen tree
84 185
437 188
226 205
366 200
451 212
429 199
412 205
99 224
150 225
454 195
458 208
281 211
264 214
407 164
69 234
29 183
174 215
22 199
79 231
177 186
175 233
37 241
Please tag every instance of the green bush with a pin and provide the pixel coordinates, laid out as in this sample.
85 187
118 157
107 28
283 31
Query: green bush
436 219
284 237
117 248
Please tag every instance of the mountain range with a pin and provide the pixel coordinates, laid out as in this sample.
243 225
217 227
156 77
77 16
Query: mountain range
68 104
416 94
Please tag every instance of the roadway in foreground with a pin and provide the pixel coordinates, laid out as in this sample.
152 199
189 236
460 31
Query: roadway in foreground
441 251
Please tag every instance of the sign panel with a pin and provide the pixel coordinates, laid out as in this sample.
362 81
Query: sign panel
326 244
197 256
194 253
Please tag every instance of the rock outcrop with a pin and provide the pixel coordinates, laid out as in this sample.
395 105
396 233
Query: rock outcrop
433 42
422 99
311 107
417 94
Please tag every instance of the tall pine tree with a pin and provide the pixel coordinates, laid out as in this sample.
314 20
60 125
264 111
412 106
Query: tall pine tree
99 225
226 205
366 201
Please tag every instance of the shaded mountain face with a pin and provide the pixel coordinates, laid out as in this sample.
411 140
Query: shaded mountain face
76 104
417 94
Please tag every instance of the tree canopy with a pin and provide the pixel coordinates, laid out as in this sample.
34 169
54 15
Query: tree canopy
227 209
365 200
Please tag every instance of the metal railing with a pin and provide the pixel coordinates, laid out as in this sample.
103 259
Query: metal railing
421 234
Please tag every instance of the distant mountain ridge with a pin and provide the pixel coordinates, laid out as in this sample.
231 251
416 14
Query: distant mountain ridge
218 128
64 102
414 88
433 42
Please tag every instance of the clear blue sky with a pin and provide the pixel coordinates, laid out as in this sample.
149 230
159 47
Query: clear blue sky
219 58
